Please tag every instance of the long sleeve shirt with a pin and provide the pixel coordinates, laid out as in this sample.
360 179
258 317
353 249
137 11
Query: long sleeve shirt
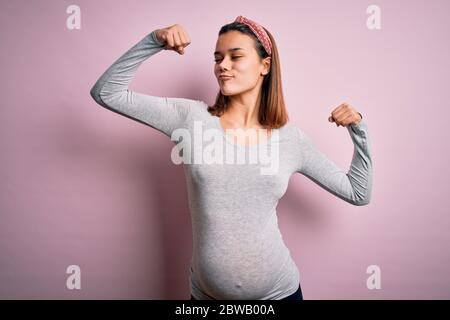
238 250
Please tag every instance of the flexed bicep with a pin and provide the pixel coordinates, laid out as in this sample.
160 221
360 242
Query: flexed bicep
353 186
112 91
164 114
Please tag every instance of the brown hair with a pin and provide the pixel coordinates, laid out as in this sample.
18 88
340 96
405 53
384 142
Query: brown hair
272 110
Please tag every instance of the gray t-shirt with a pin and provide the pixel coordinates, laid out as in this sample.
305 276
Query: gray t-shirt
238 250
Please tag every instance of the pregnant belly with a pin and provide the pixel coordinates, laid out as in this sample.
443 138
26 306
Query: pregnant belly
239 271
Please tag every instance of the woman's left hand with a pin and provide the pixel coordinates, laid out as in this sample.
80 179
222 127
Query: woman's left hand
345 115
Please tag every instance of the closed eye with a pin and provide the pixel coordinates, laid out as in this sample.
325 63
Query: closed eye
216 60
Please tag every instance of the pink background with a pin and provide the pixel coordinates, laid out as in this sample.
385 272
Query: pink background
83 185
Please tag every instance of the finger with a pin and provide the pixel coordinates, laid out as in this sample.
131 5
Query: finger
183 38
182 42
170 40
178 43
340 120
340 111
348 119
332 119
187 38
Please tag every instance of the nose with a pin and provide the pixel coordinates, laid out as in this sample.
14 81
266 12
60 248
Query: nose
224 65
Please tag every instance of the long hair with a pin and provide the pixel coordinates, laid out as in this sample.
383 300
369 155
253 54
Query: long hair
272 110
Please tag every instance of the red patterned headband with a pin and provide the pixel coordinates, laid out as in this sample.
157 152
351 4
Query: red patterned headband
259 31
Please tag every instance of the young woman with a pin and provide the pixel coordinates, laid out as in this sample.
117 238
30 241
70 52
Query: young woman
238 250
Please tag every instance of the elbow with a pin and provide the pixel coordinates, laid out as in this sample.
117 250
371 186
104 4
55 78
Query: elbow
96 94
361 197
362 201
357 202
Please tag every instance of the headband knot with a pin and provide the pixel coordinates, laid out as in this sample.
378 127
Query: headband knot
259 31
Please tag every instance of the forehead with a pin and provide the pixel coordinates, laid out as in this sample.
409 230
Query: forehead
233 41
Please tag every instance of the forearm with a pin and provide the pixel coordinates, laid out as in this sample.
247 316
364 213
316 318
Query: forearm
113 85
354 186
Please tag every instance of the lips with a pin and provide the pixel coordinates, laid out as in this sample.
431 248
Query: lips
225 77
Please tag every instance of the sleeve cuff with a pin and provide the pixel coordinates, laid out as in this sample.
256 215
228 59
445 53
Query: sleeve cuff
155 39
358 127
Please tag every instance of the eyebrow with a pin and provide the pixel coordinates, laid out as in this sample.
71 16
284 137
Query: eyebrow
232 49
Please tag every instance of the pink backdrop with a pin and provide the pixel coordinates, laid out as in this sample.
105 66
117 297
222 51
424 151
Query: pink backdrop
85 186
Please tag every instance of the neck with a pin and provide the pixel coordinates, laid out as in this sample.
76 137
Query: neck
243 111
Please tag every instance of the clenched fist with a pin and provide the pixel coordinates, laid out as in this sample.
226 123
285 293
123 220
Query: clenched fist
345 115
174 37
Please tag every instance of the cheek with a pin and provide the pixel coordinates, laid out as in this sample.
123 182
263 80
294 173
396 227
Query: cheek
247 72
244 67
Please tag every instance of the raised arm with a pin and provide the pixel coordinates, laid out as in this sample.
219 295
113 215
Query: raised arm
355 186
111 91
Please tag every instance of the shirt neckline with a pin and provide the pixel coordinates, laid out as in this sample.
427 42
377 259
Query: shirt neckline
230 141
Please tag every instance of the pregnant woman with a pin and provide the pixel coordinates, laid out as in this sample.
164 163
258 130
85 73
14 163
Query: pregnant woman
238 250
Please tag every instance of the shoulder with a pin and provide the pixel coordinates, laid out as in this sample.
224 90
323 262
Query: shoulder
195 105
201 108
192 103
187 106
192 109
292 131
300 138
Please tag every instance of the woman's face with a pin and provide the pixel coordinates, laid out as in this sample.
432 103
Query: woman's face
244 65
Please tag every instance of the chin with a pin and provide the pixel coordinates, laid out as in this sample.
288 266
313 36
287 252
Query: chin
227 92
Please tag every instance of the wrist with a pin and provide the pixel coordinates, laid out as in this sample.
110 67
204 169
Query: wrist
156 37
360 115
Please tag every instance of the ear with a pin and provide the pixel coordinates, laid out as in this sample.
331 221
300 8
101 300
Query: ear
266 63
